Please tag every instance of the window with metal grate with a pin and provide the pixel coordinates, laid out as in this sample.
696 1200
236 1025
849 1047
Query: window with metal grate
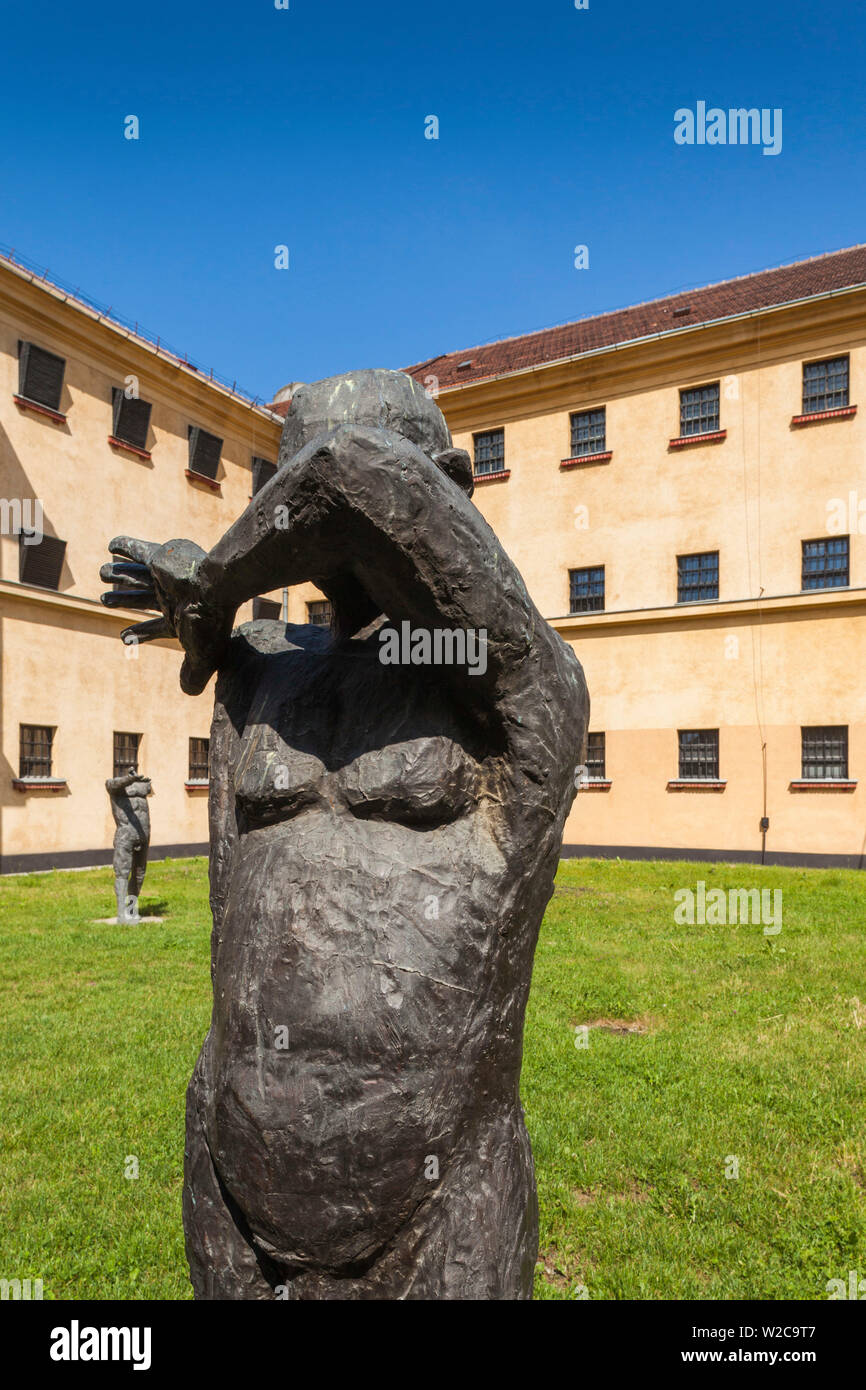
595 757
588 432
199 759
699 410
586 589
125 752
698 577
319 613
35 746
825 385
826 563
825 752
699 755
489 452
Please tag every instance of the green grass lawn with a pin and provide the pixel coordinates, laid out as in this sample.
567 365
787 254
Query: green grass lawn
744 1047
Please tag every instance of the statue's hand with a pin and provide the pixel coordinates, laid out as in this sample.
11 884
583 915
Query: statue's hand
167 577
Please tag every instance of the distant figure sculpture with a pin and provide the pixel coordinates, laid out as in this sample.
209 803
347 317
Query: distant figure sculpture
384 835
129 807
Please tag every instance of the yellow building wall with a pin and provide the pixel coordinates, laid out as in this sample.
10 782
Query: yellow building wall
754 497
652 666
62 663
655 678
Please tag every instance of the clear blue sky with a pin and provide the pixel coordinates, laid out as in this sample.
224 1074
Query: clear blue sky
305 127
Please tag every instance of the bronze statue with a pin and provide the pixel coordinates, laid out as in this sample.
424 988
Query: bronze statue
129 807
383 840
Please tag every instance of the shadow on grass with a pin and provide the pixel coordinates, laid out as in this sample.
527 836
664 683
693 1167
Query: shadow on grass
160 908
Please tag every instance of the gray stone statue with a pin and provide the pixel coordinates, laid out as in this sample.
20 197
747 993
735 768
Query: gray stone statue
129 807
384 835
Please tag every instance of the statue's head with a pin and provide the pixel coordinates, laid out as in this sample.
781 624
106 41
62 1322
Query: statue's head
380 399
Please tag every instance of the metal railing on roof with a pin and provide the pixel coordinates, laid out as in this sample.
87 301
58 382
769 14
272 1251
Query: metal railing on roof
78 296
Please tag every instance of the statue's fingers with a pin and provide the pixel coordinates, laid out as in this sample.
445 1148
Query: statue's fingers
133 549
146 632
130 598
132 574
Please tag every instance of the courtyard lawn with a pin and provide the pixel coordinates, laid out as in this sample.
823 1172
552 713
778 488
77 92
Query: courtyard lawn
709 1051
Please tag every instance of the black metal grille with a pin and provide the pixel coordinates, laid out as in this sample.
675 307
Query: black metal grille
595 765
825 385
204 452
698 577
199 766
125 752
588 432
825 563
699 410
40 562
266 608
319 613
586 589
263 471
490 452
34 753
40 375
699 754
130 418
825 752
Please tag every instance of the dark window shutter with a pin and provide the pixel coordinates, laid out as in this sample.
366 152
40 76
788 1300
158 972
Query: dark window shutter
204 452
131 420
266 608
41 564
40 375
263 471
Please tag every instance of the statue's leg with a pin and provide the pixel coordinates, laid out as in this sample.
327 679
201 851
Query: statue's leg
136 880
122 870
223 1263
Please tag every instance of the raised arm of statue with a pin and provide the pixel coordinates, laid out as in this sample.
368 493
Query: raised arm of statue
380 527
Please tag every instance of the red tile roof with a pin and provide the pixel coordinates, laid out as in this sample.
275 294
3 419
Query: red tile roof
763 290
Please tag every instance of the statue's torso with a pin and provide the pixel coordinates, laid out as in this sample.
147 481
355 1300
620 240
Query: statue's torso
131 812
353 989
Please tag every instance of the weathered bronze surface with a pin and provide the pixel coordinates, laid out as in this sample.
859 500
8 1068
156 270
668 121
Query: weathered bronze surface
383 841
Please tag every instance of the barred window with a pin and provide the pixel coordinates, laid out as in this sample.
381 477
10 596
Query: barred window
595 756
588 432
699 410
125 752
825 563
825 752
699 755
825 385
586 588
319 613
199 754
490 451
34 750
698 577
